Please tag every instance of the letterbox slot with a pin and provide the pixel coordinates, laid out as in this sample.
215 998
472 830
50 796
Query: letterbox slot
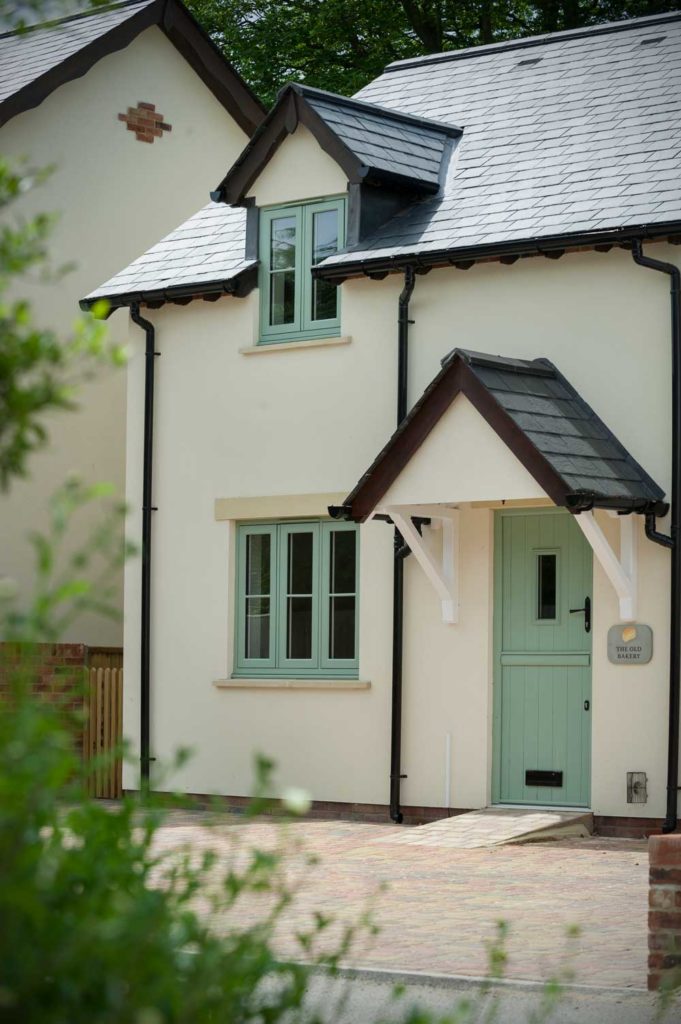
534 777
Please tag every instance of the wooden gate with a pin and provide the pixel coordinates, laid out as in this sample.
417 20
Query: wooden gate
103 731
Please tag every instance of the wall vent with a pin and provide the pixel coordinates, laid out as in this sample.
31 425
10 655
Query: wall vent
637 788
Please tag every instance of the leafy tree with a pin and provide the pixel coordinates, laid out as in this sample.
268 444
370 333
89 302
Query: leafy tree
341 45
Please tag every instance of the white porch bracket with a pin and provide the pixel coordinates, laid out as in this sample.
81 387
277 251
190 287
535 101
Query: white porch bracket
623 571
443 576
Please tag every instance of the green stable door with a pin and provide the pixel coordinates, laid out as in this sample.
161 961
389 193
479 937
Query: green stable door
542 699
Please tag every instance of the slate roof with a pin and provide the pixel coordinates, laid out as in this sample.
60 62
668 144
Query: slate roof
369 142
576 132
411 147
563 428
36 61
573 138
206 252
27 56
544 421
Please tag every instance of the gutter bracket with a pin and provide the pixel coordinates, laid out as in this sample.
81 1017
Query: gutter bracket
622 571
444 577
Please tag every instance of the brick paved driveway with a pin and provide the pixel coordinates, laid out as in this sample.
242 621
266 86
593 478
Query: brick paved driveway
440 905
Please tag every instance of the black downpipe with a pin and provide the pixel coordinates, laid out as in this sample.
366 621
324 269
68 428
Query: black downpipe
674 540
396 776
147 509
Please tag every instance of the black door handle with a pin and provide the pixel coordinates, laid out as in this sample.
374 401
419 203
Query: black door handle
587 613
587 705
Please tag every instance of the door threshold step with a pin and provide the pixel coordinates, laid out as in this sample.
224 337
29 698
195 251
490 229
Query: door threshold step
562 808
497 826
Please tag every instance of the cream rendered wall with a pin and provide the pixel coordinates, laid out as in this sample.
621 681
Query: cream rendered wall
462 459
447 676
607 329
311 421
227 425
299 170
630 703
115 197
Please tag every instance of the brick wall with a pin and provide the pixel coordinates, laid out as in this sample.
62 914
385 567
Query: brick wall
664 917
55 669
622 827
324 810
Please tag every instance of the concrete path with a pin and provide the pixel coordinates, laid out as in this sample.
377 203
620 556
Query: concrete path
367 998
440 906
496 826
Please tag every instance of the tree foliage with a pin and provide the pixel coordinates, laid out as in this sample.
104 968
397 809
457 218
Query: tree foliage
341 45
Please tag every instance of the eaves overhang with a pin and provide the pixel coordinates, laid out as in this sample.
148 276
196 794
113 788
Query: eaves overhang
548 427
239 286
183 31
297 104
463 257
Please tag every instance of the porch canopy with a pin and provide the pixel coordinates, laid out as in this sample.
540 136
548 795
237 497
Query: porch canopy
488 430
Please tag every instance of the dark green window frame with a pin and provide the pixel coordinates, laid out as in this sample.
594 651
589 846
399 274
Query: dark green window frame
292 239
297 600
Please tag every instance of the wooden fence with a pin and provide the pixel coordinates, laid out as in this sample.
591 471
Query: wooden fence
103 731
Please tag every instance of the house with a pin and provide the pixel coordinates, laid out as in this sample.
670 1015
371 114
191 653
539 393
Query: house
416 442
137 113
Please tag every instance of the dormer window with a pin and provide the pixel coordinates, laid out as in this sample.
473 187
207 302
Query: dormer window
293 238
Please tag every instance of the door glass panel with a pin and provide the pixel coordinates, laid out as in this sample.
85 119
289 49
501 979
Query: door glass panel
342 588
324 243
546 586
258 559
282 273
299 575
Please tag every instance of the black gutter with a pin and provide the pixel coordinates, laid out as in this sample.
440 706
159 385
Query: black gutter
585 501
147 509
396 776
240 285
533 246
673 541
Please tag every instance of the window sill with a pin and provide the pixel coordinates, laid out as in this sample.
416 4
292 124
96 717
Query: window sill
283 346
291 684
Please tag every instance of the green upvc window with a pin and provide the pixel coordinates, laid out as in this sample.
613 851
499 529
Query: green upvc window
297 594
294 307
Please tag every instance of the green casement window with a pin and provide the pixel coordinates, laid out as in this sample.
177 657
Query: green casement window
297 594
292 240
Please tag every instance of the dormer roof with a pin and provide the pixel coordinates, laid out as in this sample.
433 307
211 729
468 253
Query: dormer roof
372 145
